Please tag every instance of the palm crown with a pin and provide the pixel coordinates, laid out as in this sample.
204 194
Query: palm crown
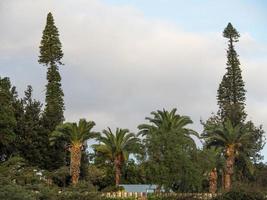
164 121
74 135
234 141
117 147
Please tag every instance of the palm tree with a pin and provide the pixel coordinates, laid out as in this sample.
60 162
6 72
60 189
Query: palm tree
168 140
232 140
117 147
75 135
164 121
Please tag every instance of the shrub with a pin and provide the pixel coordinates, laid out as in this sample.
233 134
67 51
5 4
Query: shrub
82 191
156 197
15 192
240 195
113 188
67 195
118 198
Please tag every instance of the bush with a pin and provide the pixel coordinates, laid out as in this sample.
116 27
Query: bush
113 188
78 196
156 197
15 192
44 192
82 191
119 198
240 195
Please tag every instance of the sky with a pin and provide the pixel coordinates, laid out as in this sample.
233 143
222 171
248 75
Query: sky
126 58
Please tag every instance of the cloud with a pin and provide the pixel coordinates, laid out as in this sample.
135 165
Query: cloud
120 65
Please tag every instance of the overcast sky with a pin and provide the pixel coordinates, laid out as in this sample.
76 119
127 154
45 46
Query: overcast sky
124 59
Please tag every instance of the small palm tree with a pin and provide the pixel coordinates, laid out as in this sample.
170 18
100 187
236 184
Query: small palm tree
233 141
117 147
75 135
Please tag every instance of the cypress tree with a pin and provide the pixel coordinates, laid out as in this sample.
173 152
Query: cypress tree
50 56
231 92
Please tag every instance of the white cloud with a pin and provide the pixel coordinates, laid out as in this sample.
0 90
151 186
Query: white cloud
120 65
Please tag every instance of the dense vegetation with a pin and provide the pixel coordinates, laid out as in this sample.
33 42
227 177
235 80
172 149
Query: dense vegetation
43 157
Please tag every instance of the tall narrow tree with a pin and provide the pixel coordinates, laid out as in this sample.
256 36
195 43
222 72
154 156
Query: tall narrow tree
231 92
231 100
50 56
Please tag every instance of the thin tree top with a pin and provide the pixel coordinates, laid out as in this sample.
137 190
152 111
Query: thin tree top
50 47
231 33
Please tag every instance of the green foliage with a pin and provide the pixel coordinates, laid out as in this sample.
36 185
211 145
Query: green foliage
97 175
171 152
119 143
84 173
61 176
116 147
260 175
74 133
101 173
133 173
17 170
82 191
257 143
54 108
226 134
23 181
50 48
231 92
231 100
172 197
113 188
15 192
118 198
7 118
30 142
51 55
240 195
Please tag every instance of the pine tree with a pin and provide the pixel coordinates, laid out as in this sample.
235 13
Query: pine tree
50 56
7 119
231 92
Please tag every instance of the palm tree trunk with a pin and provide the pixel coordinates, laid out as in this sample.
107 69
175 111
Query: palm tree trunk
117 170
213 181
229 171
75 163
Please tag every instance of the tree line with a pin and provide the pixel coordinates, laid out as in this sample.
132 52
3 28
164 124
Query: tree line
164 150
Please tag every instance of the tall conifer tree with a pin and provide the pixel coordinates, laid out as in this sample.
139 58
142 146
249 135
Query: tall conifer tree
231 100
50 56
231 92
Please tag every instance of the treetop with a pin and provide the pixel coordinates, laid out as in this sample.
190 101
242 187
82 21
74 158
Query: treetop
231 33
